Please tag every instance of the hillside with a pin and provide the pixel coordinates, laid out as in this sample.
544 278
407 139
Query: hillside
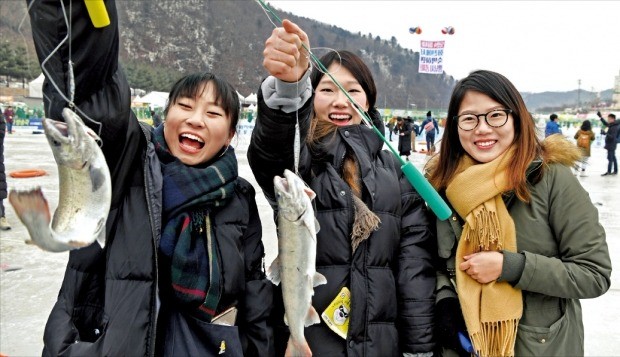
227 37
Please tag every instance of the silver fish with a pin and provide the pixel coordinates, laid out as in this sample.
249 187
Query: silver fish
294 266
85 190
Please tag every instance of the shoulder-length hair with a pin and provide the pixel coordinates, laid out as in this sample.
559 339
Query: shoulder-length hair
526 144
193 85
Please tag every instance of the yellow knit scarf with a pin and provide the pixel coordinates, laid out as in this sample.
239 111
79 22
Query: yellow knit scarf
491 311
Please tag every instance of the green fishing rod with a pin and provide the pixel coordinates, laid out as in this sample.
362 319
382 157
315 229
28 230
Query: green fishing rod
413 175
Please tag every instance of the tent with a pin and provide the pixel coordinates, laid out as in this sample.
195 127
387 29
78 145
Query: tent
251 99
36 87
155 99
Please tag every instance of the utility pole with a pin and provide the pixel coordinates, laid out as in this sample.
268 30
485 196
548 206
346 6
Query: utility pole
578 95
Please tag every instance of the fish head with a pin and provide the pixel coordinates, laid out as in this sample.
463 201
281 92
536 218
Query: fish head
293 196
71 141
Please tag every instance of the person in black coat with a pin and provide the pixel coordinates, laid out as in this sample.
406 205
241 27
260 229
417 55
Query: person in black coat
375 239
403 128
181 272
611 142
4 223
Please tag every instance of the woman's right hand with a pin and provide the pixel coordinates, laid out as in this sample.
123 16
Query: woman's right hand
283 56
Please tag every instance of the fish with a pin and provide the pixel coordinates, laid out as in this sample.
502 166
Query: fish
85 190
295 265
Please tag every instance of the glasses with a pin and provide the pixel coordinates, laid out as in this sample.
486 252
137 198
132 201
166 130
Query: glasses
495 118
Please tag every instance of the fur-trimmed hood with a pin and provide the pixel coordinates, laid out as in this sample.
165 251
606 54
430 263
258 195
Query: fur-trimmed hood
557 149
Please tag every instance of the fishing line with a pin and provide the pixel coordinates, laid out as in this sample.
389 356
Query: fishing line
413 175
71 79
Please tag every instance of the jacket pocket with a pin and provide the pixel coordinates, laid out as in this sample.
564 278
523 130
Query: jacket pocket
188 336
90 321
563 338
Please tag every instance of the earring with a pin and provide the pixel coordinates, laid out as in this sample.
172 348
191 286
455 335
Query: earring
224 152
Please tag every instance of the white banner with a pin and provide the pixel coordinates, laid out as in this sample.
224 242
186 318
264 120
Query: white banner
431 57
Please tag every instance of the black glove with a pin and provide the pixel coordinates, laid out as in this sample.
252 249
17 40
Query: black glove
599 114
448 322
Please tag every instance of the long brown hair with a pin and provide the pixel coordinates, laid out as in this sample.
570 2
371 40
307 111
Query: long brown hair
526 143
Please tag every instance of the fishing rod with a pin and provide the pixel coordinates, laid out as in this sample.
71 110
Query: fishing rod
413 175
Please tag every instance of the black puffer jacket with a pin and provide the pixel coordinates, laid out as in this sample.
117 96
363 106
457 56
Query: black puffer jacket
108 303
390 274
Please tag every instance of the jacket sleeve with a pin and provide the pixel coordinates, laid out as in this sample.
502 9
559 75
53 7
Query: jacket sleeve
102 94
102 100
271 148
416 277
257 335
582 268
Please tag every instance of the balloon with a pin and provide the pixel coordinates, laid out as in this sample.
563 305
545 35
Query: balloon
417 30
448 30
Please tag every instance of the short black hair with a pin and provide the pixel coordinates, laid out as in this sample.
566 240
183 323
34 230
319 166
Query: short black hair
553 116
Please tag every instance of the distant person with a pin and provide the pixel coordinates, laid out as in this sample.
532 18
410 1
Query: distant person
390 125
404 138
156 118
431 127
4 224
552 126
611 142
524 242
584 136
414 132
9 116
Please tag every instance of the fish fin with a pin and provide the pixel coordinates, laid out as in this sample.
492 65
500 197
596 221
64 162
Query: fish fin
273 273
312 317
318 279
285 320
310 193
297 348
97 177
101 235
30 205
317 227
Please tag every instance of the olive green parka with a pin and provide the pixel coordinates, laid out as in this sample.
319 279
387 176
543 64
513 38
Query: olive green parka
565 253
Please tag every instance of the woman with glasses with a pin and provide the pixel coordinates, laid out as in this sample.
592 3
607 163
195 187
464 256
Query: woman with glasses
524 243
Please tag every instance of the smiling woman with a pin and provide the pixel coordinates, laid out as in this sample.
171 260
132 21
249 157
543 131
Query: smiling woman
185 249
201 118
525 238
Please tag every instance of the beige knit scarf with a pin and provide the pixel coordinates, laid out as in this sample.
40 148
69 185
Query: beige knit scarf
491 311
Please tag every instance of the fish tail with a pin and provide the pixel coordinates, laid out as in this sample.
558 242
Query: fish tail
297 348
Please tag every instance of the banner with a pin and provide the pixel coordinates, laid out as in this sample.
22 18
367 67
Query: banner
431 57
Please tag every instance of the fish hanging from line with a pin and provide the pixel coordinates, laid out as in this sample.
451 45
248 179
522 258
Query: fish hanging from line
85 191
295 265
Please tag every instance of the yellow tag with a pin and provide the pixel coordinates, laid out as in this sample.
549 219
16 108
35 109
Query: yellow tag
336 315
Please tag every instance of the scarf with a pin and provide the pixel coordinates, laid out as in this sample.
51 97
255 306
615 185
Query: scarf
190 193
491 311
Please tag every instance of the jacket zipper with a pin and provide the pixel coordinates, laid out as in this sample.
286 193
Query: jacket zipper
154 309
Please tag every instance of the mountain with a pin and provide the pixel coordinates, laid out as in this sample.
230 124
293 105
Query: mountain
227 38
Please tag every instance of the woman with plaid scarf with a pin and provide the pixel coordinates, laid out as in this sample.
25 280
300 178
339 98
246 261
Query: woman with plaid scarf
181 273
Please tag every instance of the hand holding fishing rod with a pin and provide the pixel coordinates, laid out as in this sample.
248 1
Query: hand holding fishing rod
284 56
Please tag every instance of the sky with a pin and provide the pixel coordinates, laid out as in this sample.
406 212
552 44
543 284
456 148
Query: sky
539 45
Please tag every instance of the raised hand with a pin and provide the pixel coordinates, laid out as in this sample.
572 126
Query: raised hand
283 56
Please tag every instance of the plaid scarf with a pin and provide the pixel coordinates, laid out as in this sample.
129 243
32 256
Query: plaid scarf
190 193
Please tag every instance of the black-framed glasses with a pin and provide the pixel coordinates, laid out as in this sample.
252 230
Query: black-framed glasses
495 118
